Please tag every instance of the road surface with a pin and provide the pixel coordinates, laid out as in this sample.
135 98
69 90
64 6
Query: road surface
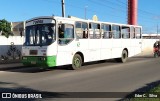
108 76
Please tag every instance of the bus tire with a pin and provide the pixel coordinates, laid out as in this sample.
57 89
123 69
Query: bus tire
76 62
123 58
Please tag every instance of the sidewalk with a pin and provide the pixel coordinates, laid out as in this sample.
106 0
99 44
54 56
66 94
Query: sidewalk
10 66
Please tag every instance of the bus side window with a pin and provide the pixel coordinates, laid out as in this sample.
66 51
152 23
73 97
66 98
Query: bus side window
125 31
110 34
138 32
90 31
106 31
61 29
94 31
81 30
132 32
66 33
116 31
85 30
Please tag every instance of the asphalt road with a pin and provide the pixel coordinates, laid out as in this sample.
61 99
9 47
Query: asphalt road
108 76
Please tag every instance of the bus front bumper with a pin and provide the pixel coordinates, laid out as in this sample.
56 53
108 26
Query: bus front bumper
42 61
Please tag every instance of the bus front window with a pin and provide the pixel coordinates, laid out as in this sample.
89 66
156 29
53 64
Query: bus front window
40 35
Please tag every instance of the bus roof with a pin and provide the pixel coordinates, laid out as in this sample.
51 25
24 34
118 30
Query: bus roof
77 19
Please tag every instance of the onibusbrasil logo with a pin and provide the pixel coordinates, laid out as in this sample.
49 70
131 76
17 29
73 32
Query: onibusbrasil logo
19 96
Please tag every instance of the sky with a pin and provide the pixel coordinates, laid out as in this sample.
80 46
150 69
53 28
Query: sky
106 10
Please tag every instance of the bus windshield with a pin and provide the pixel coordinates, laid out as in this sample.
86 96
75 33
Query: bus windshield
40 35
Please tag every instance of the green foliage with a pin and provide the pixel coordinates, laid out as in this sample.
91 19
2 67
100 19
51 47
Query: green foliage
5 27
155 90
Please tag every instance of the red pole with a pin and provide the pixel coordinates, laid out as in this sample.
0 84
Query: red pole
132 12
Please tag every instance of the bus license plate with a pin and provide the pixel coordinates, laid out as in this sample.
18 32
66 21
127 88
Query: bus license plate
33 62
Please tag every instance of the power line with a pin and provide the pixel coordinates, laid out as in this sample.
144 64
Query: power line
144 16
120 3
103 4
91 10
111 2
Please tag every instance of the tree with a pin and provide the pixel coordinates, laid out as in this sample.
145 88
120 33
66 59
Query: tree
5 28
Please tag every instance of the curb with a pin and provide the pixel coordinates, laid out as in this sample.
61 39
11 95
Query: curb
10 66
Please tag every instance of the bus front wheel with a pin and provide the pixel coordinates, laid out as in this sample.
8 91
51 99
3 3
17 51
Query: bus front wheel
76 62
124 57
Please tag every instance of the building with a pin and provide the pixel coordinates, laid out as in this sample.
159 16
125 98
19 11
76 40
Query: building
17 28
151 36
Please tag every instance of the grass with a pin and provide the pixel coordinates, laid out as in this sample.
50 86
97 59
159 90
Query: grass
154 91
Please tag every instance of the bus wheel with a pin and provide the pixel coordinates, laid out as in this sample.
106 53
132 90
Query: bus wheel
124 57
76 62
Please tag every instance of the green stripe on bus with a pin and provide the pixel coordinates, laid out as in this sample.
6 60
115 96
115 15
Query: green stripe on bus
48 61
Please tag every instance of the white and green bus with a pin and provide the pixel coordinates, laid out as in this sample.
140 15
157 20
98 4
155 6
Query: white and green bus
56 41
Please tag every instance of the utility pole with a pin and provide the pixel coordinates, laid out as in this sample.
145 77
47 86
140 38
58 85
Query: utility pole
132 12
157 28
85 12
63 8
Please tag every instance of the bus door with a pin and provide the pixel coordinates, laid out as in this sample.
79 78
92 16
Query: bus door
65 44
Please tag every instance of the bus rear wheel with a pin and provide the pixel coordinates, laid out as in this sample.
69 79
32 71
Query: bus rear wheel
123 58
76 62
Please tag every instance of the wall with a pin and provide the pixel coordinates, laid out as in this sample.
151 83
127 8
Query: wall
147 45
10 48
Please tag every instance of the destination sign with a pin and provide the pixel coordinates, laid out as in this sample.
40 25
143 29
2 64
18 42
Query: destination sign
38 22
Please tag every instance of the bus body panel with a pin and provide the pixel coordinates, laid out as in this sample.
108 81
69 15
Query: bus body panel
126 44
106 49
138 46
133 47
116 48
94 49
65 53
82 46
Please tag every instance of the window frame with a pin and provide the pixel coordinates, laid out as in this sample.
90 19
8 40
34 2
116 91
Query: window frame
83 31
116 31
71 39
126 32
109 32
92 29
132 32
136 33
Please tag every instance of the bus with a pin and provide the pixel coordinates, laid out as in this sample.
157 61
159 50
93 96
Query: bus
52 41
